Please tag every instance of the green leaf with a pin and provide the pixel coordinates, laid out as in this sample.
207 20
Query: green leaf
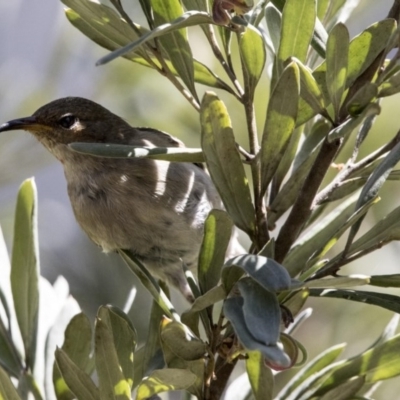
365 95
253 56
217 235
165 380
390 86
123 336
365 47
378 363
346 390
175 154
152 346
356 216
318 236
25 268
266 271
386 230
102 25
274 22
338 282
309 89
372 186
280 122
323 360
337 51
223 161
298 22
261 378
77 347
363 50
7 389
181 341
208 299
149 283
189 18
103 34
112 383
392 280
176 43
290 190
346 128
77 381
388 301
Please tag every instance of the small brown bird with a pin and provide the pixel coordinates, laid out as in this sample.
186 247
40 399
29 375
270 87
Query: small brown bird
156 209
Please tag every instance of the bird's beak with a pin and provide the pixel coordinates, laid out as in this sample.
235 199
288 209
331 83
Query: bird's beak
20 123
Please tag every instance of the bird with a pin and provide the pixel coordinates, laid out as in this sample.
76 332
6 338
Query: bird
155 209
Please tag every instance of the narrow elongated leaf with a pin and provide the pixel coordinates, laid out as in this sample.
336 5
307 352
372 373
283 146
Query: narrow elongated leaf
280 122
190 18
7 389
290 190
317 236
112 383
25 268
392 280
175 154
388 301
337 51
363 50
378 363
386 230
253 56
274 21
365 95
149 283
374 183
76 380
261 378
163 381
346 390
9 357
223 161
338 282
298 22
367 46
176 43
123 336
208 299
309 89
217 235
112 41
323 360
77 348
102 24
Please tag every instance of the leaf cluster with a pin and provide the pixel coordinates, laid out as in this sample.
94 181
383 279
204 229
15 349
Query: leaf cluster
325 92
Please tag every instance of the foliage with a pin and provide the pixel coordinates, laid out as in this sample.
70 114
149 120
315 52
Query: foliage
324 87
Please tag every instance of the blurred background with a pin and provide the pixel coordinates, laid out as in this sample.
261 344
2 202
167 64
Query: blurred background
43 57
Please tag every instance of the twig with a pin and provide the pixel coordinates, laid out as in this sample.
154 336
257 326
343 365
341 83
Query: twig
350 168
302 207
219 56
333 267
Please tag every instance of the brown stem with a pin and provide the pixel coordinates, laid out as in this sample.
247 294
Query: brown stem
302 207
223 371
351 168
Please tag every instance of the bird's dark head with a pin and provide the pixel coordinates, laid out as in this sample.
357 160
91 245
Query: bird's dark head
71 119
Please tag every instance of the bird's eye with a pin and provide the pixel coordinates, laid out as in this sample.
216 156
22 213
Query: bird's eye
67 121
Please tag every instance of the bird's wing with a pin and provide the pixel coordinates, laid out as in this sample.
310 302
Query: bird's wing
150 136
